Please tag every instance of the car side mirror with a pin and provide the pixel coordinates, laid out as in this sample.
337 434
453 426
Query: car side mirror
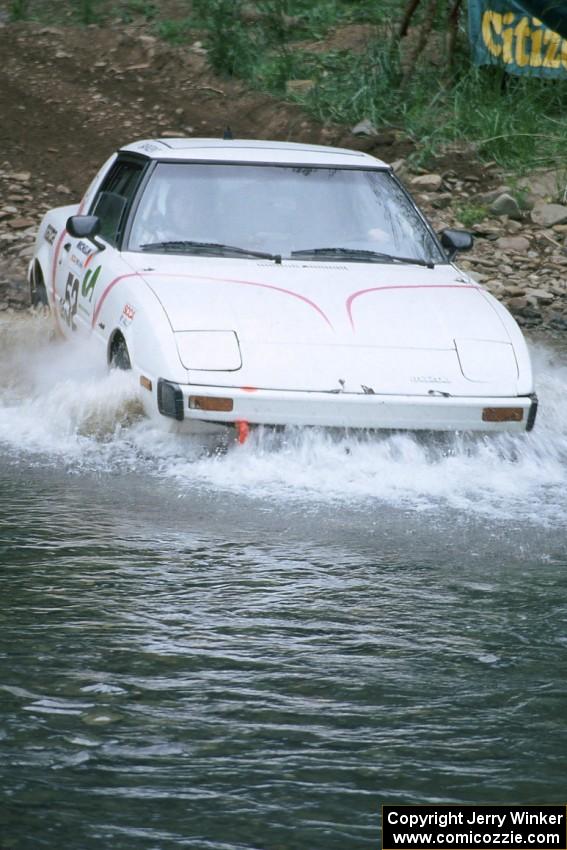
456 240
85 227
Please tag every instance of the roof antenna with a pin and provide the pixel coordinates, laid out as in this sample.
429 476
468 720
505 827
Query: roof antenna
227 133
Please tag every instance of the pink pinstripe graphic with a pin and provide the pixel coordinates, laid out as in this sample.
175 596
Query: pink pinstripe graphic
100 301
290 292
215 280
262 286
360 292
53 273
54 268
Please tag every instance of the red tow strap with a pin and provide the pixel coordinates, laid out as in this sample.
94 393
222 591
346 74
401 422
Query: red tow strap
242 431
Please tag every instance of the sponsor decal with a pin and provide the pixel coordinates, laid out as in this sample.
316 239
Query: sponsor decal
49 234
84 248
127 316
429 379
68 304
89 283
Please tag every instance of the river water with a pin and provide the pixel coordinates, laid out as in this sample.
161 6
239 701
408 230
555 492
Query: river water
255 647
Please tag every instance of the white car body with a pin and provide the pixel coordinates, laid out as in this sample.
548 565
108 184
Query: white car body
302 341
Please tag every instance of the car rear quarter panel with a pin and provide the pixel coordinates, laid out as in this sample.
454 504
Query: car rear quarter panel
52 227
48 243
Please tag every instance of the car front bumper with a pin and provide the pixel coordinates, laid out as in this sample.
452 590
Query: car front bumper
346 410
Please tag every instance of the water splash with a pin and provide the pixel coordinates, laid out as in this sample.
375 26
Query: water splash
55 402
56 397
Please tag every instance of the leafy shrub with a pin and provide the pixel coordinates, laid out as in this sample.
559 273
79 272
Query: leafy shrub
176 32
86 11
18 10
131 9
469 214
232 50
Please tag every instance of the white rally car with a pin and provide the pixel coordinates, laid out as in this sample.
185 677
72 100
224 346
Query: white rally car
249 282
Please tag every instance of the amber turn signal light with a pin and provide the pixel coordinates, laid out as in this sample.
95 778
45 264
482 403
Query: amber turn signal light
205 402
502 414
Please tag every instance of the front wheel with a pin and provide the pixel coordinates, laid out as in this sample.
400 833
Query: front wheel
119 356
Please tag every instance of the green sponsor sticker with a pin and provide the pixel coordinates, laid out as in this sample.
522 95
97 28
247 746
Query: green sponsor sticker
89 283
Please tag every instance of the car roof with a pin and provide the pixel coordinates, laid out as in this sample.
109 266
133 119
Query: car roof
251 150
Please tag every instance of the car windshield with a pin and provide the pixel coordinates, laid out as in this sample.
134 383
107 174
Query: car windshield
337 214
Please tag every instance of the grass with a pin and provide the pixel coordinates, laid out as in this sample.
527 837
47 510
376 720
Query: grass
87 11
129 10
516 121
18 10
175 32
469 214
81 11
511 120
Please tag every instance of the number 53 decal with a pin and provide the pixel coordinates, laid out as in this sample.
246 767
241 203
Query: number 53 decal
70 302
69 306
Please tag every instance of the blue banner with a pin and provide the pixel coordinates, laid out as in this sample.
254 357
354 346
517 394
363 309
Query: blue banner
552 12
502 33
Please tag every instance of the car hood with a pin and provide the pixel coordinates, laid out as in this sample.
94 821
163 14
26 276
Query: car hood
320 326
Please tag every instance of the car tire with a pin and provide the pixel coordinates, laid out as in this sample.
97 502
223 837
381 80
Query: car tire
38 292
119 355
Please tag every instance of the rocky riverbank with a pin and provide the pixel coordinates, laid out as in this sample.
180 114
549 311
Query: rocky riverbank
520 250
21 210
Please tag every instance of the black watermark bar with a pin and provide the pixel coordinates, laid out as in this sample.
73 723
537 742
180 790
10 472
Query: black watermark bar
474 827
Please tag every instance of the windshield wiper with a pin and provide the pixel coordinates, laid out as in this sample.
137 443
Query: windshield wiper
360 254
208 248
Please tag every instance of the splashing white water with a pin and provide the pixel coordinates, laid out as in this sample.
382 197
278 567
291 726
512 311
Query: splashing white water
55 402
55 398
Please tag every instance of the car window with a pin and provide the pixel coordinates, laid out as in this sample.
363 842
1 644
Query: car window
115 194
280 209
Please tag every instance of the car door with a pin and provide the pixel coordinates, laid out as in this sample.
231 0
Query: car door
84 266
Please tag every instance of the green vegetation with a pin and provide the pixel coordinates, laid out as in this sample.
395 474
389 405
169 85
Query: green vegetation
82 11
18 10
515 121
232 48
511 120
173 31
469 214
436 99
521 193
129 10
87 11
